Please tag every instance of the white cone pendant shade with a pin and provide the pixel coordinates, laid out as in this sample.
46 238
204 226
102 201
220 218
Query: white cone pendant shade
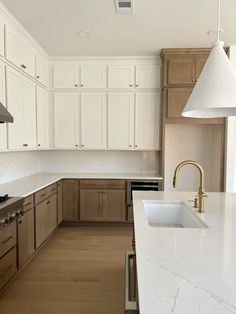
214 94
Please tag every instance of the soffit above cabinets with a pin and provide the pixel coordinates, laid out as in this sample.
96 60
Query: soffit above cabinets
155 24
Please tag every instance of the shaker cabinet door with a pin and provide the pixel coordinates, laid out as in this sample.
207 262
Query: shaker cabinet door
181 70
121 76
93 76
147 76
42 118
65 76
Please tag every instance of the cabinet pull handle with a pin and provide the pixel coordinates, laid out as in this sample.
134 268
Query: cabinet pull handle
48 202
23 66
20 222
25 145
54 189
6 240
42 195
27 204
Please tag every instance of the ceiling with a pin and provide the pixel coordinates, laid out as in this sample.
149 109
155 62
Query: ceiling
155 24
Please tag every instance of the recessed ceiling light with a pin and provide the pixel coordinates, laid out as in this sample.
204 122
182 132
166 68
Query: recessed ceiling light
83 33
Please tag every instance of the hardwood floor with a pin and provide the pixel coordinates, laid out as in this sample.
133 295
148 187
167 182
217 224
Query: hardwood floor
79 270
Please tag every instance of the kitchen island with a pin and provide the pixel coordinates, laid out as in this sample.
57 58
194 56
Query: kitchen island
187 270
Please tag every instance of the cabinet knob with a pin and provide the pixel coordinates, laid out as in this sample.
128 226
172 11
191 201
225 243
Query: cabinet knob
82 145
130 85
76 85
130 145
193 80
25 145
136 85
23 66
76 145
136 145
37 76
39 145
82 85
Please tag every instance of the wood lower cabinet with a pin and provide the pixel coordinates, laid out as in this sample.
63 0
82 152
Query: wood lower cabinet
45 219
59 202
71 200
102 200
8 266
25 237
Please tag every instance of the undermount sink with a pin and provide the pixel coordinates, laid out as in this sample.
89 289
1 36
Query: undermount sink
171 214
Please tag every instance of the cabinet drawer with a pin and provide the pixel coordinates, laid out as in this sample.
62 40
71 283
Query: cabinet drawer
7 238
28 203
7 267
103 184
45 193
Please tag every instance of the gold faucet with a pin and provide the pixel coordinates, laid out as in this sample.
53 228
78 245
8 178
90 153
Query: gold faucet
201 191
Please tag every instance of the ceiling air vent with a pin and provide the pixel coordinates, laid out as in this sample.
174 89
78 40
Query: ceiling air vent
124 7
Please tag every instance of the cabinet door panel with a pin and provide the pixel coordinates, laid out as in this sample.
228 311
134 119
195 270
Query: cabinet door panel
93 121
93 76
120 76
27 58
147 76
15 105
66 120
181 69
200 62
41 71
25 237
120 121
71 200
65 76
13 46
114 205
90 204
59 202
41 216
29 114
3 133
42 118
147 121
52 214
176 101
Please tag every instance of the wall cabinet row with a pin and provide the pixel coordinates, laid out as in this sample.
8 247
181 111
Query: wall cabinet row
19 52
124 121
103 76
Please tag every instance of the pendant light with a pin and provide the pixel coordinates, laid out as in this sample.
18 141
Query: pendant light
214 94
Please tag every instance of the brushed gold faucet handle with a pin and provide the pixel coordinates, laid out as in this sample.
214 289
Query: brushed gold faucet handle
195 202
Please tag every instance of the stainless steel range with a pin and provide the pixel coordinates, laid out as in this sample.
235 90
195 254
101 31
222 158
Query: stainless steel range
10 209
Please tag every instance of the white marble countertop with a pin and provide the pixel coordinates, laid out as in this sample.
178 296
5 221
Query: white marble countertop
26 186
181 270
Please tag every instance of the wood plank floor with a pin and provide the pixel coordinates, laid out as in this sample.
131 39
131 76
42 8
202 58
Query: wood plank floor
79 270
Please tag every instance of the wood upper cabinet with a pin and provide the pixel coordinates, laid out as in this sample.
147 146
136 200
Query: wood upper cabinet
121 117
183 68
42 71
25 237
120 76
59 201
66 120
71 200
19 52
22 105
147 121
42 118
3 127
65 76
93 120
147 76
176 99
93 76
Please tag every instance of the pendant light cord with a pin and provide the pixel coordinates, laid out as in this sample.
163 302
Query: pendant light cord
218 22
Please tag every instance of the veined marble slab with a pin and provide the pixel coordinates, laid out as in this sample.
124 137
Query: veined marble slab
187 271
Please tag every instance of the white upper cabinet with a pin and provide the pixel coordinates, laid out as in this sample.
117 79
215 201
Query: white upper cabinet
120 76
19 52
42 70
3 136
147 121
42 118
21 104
65 76
66 117
121 121
93 121
147 76
93 76
2 39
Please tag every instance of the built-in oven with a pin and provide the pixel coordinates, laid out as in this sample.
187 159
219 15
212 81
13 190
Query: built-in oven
131 286
136 185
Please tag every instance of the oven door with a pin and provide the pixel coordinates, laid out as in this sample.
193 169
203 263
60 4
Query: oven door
131 291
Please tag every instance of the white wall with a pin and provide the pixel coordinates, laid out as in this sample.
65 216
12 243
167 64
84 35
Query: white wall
99 161
14 165
205 149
